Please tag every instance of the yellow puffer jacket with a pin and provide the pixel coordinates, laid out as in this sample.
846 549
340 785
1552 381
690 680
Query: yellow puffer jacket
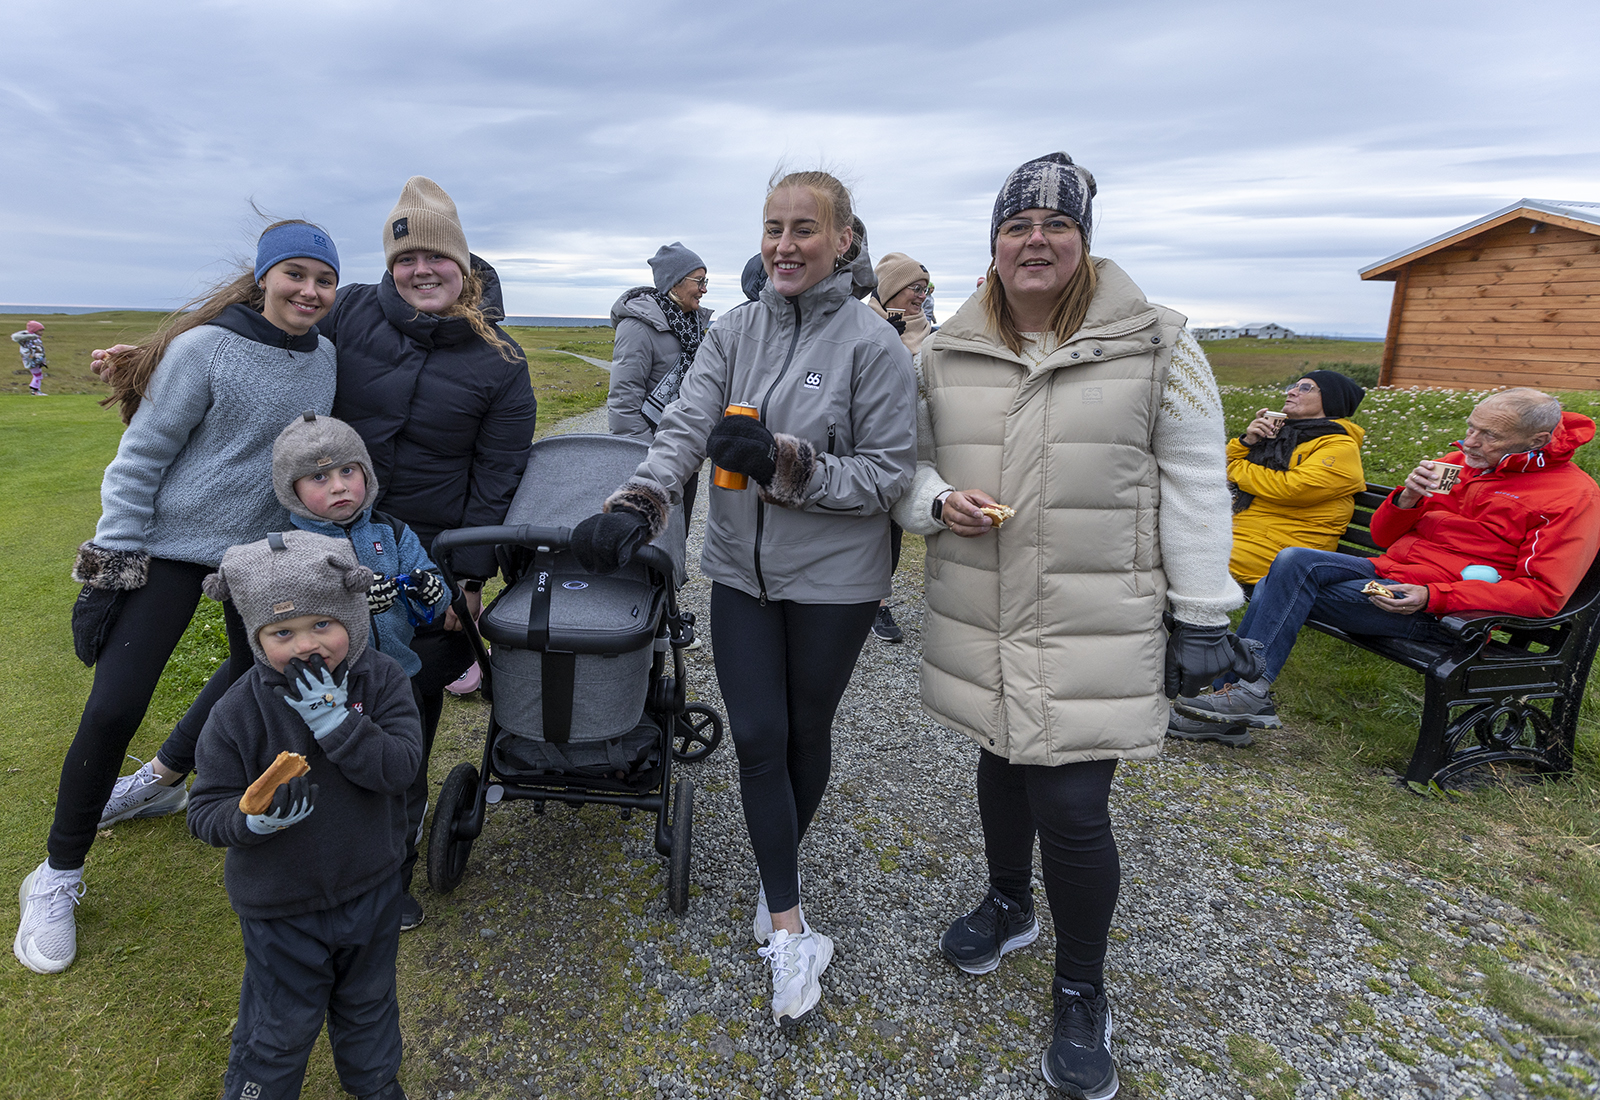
1308 504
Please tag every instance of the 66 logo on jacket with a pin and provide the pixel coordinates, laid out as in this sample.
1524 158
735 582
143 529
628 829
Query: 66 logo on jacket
813 380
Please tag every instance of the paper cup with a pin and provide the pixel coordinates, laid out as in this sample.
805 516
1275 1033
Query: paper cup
727 479
1449 473
1276 418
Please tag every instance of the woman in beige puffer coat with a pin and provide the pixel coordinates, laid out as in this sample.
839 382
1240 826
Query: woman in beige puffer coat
1060 391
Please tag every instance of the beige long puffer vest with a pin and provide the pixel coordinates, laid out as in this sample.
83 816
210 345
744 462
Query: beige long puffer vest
1043 640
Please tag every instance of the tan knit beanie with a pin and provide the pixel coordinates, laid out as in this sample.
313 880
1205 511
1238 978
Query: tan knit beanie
425 217
896 271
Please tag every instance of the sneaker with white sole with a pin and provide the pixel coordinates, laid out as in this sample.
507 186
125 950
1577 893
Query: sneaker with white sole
797 960
1078 1060
47 937
1238 703
1185 728
142 795
884 628
976 941
761 927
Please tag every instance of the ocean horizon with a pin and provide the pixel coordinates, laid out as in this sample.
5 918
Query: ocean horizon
523 320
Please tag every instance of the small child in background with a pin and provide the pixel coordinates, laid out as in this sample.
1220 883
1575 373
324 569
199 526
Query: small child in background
315 877
32 347
322 474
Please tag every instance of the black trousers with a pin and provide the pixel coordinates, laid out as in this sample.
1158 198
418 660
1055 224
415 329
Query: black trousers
129 667
1068 808
336 963
782 669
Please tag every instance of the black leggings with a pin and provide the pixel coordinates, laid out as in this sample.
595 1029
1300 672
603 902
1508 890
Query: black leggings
152 622
1068 808
782 669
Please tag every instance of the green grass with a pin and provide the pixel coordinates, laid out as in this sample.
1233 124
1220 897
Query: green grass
1273 362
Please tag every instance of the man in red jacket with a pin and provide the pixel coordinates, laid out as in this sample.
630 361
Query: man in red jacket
1515 534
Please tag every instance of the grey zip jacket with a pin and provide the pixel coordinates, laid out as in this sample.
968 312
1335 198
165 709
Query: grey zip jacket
824 368
645 351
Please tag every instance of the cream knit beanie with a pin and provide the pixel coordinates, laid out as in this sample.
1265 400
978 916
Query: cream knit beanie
896 271
425 218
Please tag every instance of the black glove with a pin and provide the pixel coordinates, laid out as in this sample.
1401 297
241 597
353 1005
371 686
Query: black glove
606 541
93 616
1197 655
742 445
899 323
381 594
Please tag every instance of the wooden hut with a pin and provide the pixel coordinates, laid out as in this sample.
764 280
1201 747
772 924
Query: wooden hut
1512 299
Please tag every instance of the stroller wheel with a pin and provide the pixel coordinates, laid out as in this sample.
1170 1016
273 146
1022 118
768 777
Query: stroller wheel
696 733
447 855
682 840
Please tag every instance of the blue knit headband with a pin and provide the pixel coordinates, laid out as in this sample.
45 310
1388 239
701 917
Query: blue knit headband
286 242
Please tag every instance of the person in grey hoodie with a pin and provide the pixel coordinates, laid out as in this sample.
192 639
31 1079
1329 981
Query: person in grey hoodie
799 560
658 331
203 401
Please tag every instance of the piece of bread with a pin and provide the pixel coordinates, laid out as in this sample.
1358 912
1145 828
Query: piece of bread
289 765
998 512
1373 588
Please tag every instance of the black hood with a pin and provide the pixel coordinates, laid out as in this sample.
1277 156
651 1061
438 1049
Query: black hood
245 321
431 330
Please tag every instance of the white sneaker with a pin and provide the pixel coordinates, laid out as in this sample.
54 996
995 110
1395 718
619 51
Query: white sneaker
762 925
797 960
47 938
141 795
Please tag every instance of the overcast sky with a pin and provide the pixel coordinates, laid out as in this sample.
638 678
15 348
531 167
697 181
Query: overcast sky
1250 156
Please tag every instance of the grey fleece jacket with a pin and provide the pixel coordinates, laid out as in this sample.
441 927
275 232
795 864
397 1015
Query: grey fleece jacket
824 368
645 350
356 834
193 473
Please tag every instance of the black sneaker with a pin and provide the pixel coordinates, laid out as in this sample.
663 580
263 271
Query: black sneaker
976 941
1185 728
410 912
884 628
1078 1059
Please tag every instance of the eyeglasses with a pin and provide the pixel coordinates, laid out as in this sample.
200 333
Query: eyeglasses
1020 229
922 289
701 282
1302 387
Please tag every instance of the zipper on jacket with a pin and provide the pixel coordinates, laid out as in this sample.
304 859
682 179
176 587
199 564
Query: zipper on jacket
761 507
831 430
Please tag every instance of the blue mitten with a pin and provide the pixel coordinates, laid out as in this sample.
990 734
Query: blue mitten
316 695
292 803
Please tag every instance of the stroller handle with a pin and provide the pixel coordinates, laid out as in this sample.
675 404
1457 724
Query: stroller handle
528 534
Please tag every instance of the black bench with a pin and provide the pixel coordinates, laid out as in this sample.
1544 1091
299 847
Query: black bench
1507 690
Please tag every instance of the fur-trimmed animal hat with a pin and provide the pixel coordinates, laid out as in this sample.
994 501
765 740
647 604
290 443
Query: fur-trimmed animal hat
310 444
293 573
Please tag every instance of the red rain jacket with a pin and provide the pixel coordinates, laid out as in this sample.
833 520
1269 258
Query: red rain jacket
1535 517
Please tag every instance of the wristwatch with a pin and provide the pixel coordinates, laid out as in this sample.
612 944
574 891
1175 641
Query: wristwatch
938 506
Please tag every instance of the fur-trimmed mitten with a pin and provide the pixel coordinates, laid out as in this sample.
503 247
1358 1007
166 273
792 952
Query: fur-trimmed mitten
107 577
743 445
119 570
796 461
630 518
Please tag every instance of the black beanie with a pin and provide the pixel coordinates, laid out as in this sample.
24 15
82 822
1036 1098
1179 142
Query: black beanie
1340 395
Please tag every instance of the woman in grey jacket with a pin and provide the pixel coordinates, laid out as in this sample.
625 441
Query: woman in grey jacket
203 402
799 561
659 329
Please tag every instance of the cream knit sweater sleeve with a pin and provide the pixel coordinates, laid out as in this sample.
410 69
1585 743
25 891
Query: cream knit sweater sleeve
1196 515
914 511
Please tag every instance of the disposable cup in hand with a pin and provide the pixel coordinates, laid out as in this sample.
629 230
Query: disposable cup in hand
727 479
1448 473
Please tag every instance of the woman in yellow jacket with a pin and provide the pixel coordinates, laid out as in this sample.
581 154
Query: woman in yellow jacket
1294 477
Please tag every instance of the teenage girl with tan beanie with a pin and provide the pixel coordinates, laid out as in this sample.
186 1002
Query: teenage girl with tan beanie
203 402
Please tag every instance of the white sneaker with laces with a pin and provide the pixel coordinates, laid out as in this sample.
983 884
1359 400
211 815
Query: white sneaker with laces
47 937
142 795
762 925
797 960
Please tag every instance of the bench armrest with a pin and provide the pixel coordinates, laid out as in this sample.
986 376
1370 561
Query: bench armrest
1470 623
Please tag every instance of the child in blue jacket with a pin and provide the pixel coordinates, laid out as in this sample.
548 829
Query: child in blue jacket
322 474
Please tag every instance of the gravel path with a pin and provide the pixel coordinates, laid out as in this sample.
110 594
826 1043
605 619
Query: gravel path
1258 950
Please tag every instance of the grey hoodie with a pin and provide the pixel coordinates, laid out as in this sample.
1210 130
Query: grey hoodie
823 367
645 351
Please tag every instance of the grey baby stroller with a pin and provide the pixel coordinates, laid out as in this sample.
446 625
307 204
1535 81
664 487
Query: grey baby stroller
584 674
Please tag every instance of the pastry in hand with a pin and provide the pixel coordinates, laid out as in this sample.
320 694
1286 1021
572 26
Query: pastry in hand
998 512
1373 588
288 765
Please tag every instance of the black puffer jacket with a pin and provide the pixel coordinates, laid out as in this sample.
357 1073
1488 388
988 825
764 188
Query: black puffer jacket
447 419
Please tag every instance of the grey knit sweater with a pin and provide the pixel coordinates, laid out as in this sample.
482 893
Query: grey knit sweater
193 473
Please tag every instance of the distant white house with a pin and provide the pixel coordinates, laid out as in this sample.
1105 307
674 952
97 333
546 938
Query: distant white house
1245 332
